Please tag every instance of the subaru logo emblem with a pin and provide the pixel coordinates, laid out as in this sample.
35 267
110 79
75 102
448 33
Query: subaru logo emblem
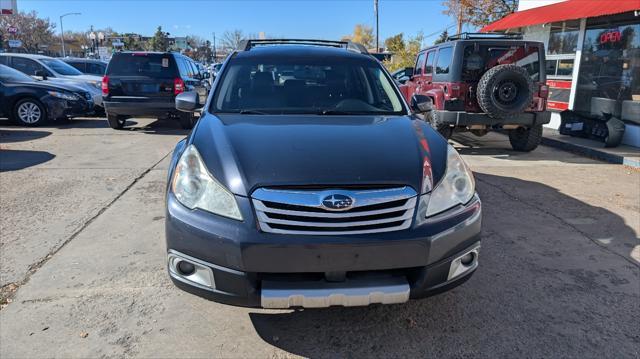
337 202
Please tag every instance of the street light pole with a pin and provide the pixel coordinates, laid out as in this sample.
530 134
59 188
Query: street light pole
62 29
375 5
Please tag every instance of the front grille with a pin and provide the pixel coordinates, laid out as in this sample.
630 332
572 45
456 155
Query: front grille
302 211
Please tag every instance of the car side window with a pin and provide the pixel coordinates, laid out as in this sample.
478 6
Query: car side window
96 69
193 71
26 66
78 65
419 65
444 60
428 70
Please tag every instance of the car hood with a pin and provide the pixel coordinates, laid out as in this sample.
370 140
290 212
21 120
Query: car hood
53 85
92 83
245 152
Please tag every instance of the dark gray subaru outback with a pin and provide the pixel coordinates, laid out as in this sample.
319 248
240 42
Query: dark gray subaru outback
309 182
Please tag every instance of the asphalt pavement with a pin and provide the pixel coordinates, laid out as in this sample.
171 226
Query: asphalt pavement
82 261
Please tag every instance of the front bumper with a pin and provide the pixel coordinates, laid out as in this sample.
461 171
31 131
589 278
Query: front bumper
58 108
462 118
245 262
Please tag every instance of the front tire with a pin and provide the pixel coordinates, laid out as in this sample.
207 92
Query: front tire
116 121
443 128
187 120
525 139
29 112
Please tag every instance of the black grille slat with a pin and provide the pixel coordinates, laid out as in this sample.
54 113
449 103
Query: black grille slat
291 207
331 229
335 220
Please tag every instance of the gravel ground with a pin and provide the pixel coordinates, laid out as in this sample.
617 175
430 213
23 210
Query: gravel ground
82 247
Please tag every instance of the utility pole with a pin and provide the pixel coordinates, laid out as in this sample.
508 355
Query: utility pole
459 16
62 30
375 10
215 55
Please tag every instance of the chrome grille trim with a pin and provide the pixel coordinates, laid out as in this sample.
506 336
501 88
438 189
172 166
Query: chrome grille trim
306 215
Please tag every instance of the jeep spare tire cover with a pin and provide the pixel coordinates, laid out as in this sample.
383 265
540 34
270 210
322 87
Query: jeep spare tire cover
505 91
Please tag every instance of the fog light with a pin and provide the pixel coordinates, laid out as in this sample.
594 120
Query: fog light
465 263
186 268
467 259
190 270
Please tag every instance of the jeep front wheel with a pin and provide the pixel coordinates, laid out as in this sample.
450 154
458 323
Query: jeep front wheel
525 139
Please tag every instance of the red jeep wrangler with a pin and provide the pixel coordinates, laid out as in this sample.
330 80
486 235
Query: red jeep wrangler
479 82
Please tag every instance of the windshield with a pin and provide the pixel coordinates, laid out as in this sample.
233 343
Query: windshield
306 86
10 75
61 67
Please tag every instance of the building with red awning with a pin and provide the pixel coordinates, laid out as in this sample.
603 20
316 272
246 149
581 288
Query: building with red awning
593 55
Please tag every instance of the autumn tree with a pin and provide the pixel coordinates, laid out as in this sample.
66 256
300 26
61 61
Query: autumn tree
32 30
404 51
362 34
479 12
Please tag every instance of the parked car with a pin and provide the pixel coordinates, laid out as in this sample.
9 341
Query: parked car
87 66
31 103
48 68
146 84
480 82
323 189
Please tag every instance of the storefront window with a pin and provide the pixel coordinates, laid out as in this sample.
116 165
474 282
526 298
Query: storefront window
610 64
563 38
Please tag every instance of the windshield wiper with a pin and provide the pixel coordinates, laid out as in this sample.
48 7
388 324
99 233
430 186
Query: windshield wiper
339 112
252 112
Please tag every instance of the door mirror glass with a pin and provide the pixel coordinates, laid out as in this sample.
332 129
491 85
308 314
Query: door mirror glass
187 101
421 104
41 73
408 72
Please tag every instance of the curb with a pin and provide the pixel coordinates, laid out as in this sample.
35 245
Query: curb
591 152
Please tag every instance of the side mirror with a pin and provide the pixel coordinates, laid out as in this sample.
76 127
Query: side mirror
421 103
206 75
41 73
404 79
408 72
187 101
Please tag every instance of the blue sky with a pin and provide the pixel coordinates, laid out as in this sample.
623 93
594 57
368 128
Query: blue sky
329 19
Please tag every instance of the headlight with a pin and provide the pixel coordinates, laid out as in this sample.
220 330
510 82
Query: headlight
195 187
65 96
457 186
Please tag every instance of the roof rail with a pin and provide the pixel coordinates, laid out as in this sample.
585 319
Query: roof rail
485 36
246 45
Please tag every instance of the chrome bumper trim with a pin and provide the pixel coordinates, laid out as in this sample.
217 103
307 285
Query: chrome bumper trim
322 294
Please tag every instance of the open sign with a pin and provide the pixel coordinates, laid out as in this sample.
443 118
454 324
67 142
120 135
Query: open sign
611 36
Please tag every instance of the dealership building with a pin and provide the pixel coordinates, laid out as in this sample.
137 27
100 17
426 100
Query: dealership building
593 55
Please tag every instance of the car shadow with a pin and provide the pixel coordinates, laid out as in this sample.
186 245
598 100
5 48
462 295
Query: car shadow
21 135
13 160
496 145
547 284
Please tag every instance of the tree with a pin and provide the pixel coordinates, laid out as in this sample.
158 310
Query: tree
231 40
479 12
404 51
362 34
442 38
32 30
159 41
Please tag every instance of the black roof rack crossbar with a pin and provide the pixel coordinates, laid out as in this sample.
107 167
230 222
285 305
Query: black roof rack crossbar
485 35
246 45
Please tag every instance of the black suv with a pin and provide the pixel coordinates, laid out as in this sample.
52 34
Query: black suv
309 182
145 84
481 82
